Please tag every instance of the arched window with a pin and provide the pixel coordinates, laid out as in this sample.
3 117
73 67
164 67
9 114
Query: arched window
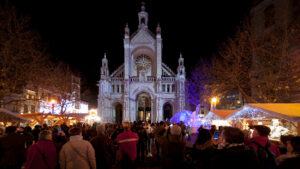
143 21
168 111
119 112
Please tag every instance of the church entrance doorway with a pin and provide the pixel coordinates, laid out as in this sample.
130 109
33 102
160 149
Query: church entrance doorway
168 112
143 107
119 112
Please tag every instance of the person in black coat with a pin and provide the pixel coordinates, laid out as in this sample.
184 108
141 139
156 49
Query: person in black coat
35 132
293 161
203 150
12 149
234 154
104 149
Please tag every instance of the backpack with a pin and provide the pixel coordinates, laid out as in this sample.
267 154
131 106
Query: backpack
266 157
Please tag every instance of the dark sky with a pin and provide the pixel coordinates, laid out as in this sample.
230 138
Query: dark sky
79 32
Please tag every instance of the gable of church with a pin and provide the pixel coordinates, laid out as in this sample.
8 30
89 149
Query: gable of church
143 37
166 71
119 72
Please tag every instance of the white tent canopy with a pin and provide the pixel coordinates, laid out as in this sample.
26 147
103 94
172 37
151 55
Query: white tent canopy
287 111
8 116
218 114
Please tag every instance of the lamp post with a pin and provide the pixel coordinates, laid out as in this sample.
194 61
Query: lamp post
52 104
213 103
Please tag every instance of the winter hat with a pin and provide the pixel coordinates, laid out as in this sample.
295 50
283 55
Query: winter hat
262 130
175 130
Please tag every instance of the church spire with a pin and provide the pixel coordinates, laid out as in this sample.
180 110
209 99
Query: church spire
104 68
158 31
143 17
127 31
143 6
181 68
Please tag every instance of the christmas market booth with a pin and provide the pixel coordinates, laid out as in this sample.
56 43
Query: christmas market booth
218 117
53 119
10 118
282 118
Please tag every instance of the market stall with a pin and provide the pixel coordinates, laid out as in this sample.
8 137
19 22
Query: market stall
53 119
218 117
282 118
7 116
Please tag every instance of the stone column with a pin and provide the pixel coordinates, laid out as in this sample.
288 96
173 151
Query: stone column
132 113
158 112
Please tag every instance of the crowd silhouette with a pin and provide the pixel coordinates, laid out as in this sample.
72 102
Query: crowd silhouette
144 145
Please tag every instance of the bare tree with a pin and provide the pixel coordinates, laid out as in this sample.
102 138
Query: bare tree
231 67
62 86
259 67
22 58
199 86
275 62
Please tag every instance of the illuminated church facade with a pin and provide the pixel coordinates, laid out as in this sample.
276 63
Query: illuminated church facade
143 88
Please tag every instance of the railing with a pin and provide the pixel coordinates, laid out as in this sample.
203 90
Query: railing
117 79
151 79
168 79
148 79
134 79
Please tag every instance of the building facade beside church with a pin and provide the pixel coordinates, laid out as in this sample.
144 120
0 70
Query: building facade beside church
143 88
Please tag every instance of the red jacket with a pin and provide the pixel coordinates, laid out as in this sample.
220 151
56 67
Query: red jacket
263 141
127 144
34 159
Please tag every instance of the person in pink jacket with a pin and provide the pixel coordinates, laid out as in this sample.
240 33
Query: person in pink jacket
42 155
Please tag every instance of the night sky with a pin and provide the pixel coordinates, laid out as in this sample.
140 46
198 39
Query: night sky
79 32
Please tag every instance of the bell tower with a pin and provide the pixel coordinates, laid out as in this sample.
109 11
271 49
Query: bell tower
180 84
143 17
104 68
181 68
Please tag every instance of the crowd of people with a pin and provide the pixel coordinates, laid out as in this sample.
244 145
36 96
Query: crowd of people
131 145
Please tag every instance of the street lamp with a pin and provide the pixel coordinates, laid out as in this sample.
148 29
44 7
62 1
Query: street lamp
52 104
213 103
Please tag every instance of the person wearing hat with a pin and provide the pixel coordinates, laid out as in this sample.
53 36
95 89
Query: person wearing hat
127 142
173 147
260 136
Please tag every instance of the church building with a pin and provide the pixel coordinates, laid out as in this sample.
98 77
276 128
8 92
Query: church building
143 88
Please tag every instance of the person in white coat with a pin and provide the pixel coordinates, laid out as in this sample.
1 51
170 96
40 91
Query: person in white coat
77 153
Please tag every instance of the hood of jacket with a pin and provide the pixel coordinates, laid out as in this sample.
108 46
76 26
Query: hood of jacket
260 139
